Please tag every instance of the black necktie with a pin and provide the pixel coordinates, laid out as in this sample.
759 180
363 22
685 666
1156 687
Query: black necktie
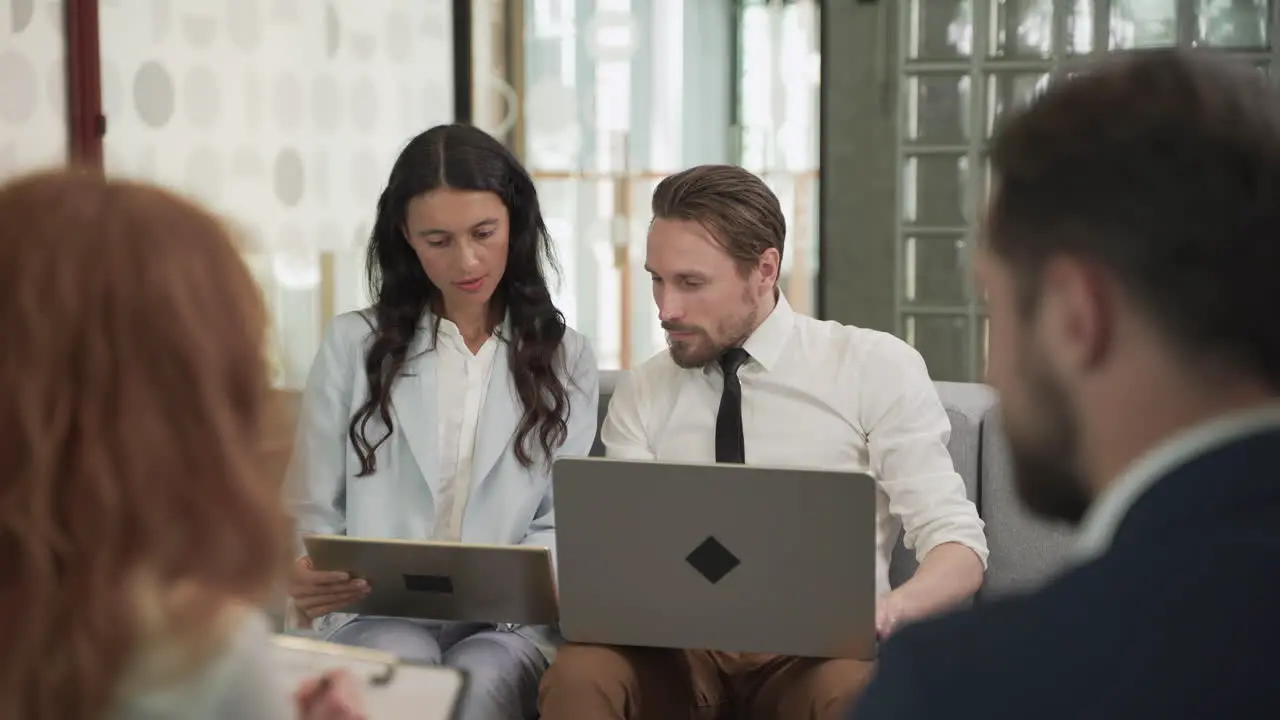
730 447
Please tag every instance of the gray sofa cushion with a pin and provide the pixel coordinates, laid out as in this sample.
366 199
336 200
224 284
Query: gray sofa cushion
608 381
1025 551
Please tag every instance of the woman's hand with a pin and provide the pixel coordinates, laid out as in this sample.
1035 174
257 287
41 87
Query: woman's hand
331 696
320 592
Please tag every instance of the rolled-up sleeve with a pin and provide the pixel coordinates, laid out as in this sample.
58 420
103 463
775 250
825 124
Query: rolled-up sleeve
907 431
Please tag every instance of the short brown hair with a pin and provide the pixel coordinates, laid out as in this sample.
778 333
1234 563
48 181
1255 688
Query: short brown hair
133 380
1163 168
736 207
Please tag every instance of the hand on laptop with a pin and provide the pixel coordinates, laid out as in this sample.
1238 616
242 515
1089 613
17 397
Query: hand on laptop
320 592
892 611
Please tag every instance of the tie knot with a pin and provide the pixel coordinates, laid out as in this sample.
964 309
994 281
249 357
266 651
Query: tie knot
732 359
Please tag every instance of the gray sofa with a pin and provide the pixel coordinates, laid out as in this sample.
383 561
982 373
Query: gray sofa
1024 550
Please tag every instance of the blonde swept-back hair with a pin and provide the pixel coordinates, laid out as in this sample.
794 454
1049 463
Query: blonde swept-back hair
739 210
133 502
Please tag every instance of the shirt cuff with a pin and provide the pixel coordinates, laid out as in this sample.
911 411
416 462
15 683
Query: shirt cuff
977 544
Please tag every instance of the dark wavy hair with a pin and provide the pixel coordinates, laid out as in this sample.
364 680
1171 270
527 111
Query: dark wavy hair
464 158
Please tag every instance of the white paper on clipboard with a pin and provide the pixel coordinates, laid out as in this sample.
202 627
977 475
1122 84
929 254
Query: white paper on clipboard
390 689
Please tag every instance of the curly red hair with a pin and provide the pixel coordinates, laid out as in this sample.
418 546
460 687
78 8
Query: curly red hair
133 383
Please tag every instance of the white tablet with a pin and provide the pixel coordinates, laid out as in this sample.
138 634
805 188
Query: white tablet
444 581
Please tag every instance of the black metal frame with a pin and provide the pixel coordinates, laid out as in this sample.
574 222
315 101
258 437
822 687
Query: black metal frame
463 75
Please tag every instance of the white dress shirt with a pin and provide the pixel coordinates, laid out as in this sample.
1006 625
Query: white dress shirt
1109 509
462 381
814 394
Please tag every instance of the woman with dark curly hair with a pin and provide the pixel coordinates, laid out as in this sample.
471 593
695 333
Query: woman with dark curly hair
436 413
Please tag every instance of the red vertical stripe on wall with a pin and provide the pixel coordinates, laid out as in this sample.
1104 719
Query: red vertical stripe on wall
85 121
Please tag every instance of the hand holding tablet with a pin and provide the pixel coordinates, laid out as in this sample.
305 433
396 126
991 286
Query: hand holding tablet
437 580
319 592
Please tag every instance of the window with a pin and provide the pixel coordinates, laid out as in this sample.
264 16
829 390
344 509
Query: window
964 62
621 93
777 122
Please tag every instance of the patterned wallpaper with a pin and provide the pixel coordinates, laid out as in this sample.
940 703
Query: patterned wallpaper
285 116
33 89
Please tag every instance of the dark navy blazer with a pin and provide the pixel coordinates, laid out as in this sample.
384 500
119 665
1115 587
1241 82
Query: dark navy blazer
1179 618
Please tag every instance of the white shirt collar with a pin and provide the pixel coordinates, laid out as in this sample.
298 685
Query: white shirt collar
450 329
1109 509
769 339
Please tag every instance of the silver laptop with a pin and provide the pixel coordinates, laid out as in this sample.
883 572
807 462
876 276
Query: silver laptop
716 557
444 581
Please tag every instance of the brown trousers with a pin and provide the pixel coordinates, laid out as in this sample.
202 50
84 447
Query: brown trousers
594 682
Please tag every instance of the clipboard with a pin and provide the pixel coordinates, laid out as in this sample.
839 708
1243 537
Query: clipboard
390 688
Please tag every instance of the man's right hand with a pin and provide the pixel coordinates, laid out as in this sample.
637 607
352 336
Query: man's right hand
320 592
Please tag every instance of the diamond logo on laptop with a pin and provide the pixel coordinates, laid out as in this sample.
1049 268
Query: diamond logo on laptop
712 560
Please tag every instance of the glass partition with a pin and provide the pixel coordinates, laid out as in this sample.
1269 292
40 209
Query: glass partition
777 121
619 93
964 62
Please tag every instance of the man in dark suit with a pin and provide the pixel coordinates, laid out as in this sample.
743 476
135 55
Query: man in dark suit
1131 259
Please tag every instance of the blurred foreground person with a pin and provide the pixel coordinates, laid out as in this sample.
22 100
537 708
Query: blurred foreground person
138 530
1131 261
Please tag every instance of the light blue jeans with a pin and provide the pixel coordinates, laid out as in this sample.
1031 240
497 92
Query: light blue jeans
503 669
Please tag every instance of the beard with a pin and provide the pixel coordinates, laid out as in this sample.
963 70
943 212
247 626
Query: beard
1045 447
691 353
704 346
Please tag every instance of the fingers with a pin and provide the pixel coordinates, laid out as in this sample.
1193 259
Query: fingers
318 596
302 590
329 577
319 592
306 691
332 696
322 577
329 597
886 624
313 608
309 575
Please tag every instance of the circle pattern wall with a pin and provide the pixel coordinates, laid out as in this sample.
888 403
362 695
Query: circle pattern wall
284 116
33 123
